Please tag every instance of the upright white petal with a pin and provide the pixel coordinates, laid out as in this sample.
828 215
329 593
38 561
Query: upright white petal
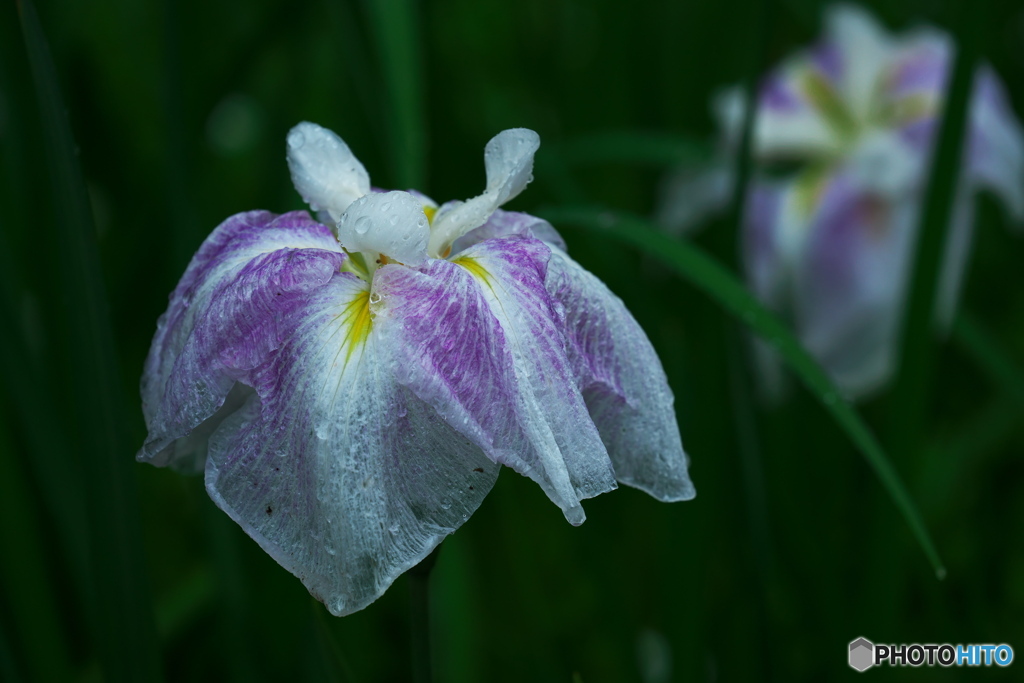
508 159
324 170
798 131
391 223
865 49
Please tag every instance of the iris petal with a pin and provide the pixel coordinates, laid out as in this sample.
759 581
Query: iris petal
339 472
481 342
324 170
622 381
508 158
191 368
391 223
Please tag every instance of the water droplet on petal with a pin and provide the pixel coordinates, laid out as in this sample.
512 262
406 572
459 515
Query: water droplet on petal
296 140
363 225
374 297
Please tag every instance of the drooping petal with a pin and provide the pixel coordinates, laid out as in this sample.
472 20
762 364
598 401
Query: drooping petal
505 223
391 223
996 143
622 382
508 158
850 286
341 474
255 254
268 361
324 171
481 343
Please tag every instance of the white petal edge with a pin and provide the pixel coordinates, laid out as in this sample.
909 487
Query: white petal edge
866 50
391 223
324 170
508 159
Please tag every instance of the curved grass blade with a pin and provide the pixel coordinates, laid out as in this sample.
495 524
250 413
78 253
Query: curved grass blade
693 265
917 336
984 349
123 619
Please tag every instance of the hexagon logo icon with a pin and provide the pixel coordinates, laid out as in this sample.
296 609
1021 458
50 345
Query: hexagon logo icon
862 654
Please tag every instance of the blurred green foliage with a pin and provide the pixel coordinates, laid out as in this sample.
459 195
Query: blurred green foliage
792 548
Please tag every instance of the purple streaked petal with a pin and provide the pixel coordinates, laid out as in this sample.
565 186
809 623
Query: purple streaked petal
850 285
340 473
263 259
622 381
505 223
920 66
480 341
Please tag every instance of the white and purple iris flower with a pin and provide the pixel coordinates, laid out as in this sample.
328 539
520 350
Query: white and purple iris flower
351 391
842 144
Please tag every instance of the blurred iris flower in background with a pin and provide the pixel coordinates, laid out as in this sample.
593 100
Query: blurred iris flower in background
351 390
842 144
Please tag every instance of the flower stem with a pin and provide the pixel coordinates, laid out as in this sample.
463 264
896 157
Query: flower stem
419 608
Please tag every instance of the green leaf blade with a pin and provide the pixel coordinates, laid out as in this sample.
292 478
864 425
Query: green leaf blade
693 265
122 617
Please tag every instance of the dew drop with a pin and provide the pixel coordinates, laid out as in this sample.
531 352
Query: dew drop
363 224
375 297
296 140
446 504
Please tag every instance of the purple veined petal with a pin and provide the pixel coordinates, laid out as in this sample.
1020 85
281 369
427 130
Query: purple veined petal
996 143
508 160
481 343
622 382
291 253
920 66
507 223
340 473
324 170
850 285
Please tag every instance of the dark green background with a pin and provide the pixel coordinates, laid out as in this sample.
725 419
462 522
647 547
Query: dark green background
791 549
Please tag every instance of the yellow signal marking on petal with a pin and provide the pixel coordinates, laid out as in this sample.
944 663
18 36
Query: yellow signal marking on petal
430 212
356 322
907 110
474 267
826 100
809 187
